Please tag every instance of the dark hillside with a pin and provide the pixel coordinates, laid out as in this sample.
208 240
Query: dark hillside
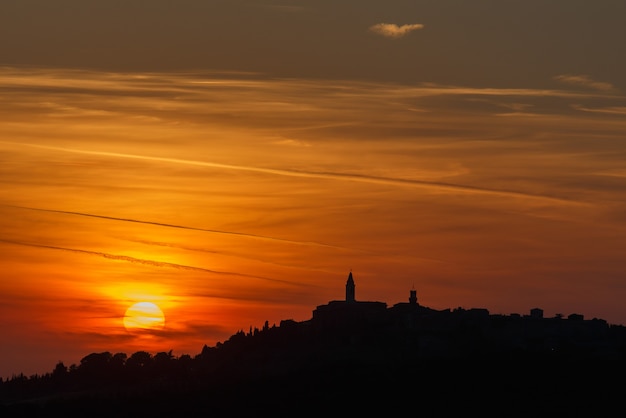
360 365
352 358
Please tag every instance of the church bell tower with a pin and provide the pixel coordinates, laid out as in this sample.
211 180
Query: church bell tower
350 289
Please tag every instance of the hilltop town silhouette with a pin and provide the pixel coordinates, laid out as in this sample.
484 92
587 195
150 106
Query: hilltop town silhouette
463 331
352 356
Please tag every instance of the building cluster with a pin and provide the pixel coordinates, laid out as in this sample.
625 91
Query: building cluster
459 330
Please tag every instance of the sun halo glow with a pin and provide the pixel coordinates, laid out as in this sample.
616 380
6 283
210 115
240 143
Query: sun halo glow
144 316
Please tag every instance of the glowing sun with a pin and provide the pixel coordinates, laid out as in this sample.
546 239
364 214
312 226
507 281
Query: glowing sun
144 315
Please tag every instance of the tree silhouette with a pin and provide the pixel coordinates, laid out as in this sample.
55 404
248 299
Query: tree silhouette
139 360
60 371
382 362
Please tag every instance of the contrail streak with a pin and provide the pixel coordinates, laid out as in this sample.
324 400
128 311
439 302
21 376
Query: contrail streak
321 175
228 254
190 228
153 263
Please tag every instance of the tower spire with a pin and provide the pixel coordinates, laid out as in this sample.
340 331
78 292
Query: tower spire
350 287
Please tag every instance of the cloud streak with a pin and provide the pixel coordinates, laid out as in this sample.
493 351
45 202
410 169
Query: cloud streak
439 186
189 228
615 110
147 262
391 30
584 80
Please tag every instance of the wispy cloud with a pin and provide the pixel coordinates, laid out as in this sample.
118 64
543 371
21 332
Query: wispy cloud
391 30
584 80
224 253
361 178
153 263
190 228
615 110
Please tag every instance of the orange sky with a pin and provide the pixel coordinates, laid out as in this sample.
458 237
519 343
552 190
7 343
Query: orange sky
229 198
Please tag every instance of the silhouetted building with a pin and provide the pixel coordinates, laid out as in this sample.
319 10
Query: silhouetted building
350 289
429 331
341 311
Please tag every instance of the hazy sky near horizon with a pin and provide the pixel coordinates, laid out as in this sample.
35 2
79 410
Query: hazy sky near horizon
232 161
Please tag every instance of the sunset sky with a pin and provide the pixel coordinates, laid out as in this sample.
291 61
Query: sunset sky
232 161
